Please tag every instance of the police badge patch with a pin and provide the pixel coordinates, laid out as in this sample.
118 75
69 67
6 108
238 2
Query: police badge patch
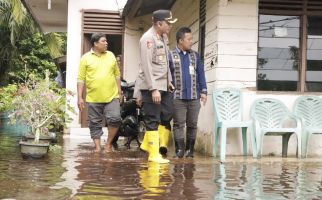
149 44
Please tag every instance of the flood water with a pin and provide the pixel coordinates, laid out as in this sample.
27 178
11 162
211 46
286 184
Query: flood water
76 173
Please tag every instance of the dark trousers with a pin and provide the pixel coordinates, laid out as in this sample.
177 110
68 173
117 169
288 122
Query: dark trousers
185 114
156 114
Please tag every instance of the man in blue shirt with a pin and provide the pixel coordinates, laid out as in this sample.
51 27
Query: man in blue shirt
188 77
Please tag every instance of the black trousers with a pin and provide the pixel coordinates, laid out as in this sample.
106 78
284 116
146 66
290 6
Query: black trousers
185 115
156 114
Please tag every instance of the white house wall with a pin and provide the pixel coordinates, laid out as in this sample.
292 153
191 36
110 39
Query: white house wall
74 44
134 28
237 43
187 13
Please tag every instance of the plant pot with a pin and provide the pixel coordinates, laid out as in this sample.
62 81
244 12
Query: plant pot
5 125
51 138
34 150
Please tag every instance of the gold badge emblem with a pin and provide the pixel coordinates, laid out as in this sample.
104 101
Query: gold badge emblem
160 57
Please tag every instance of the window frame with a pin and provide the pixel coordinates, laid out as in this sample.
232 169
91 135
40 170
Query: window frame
266 8
202 28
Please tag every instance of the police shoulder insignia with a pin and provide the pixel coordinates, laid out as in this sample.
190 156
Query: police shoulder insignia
149 44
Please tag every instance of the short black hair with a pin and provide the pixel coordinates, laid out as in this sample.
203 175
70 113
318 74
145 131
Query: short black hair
180 33
96 37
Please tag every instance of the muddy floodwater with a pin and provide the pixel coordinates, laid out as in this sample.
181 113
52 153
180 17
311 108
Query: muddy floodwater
75 172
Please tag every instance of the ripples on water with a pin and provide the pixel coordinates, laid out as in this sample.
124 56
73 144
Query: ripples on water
277 180
79 174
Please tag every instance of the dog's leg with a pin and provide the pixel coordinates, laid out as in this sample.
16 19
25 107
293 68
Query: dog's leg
128 143
137 141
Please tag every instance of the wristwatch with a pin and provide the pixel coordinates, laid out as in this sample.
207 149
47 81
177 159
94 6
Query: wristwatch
204 92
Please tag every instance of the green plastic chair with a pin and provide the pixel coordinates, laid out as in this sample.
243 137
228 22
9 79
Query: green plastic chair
269 117
227 106
309 110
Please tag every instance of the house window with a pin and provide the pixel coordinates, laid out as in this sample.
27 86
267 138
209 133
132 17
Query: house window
107 22
202 28
290 46
278 52
314 54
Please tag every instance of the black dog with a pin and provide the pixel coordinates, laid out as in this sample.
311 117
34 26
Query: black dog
132 125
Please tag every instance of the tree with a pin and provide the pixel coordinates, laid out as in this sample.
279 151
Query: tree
15 23
34 57
18 31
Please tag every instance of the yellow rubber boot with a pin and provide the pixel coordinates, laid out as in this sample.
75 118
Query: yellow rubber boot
153 146
144 145
164 139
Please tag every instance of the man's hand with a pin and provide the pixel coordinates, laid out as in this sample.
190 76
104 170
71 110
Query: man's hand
203 99
81 104
156 97
171 87
80 100
121 98
138 102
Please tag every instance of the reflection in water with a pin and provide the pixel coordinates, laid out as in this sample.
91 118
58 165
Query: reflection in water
70 163
309 183
81 174
268 181
183 181
151 178
190 191
28 178
108 175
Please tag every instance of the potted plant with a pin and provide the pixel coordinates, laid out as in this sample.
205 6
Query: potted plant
39 105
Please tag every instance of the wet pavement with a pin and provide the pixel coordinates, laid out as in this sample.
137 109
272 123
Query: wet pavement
76 172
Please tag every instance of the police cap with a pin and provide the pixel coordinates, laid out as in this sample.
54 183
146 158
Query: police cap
163 15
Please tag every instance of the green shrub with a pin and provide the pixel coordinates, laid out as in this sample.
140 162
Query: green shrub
7 95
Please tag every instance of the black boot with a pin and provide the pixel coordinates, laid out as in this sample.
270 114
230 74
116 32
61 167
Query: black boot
179 144
190 147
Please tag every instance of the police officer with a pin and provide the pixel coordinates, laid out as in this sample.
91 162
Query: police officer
189 80
154 83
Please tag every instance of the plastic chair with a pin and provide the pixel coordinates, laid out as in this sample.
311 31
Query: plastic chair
227 105
269 117
309 110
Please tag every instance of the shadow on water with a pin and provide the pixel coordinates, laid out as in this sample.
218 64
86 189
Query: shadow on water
79 174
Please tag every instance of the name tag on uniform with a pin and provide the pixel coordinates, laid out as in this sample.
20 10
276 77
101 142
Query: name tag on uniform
191 70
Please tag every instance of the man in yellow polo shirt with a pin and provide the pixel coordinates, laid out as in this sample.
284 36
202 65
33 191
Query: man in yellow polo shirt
99 73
